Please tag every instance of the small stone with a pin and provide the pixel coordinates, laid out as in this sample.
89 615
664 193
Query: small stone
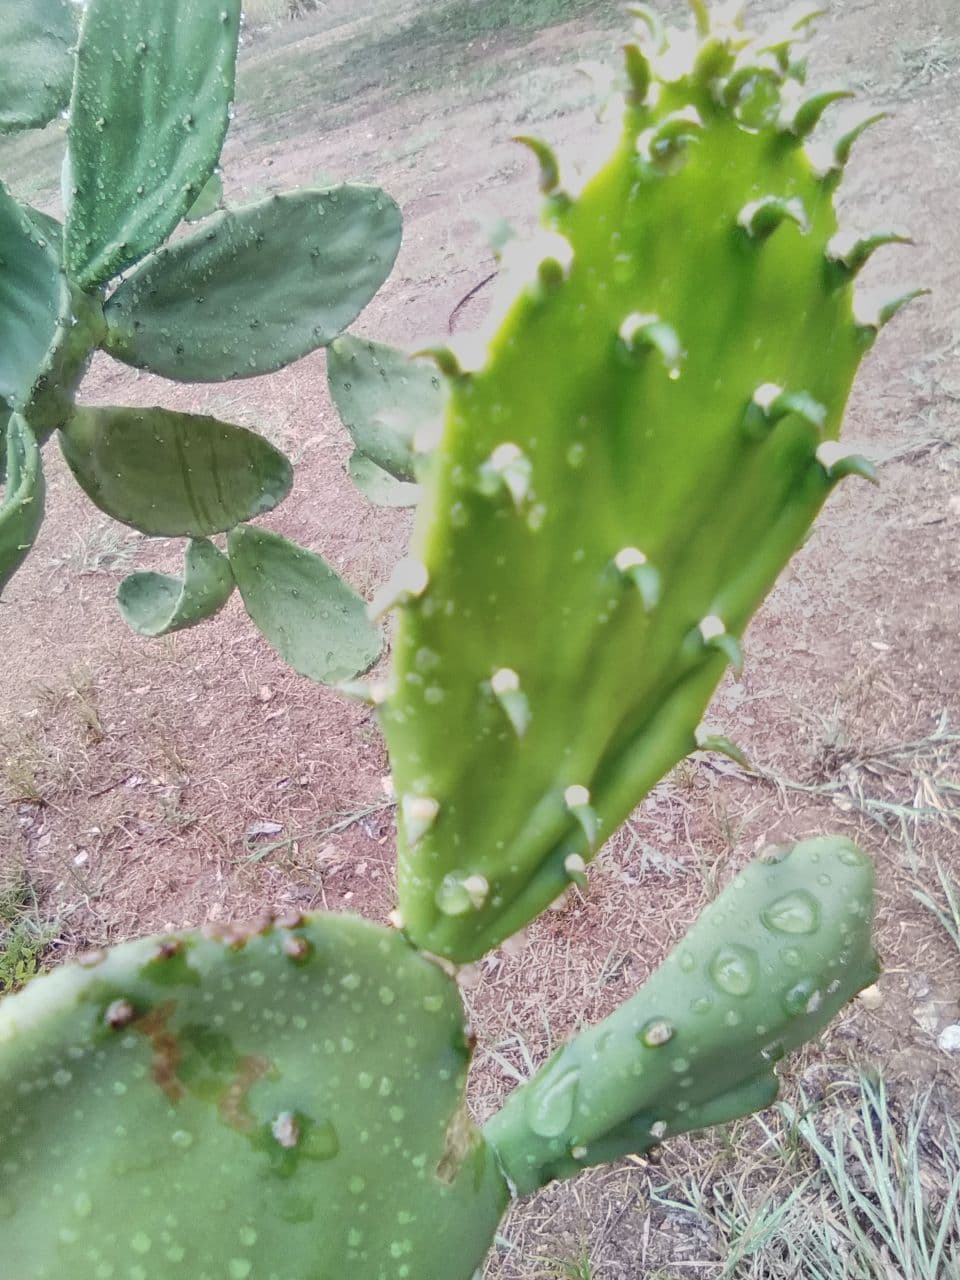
871 997
949 1039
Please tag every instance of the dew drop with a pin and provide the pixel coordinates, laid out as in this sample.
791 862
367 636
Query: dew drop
549 1108
795 912
734 969
796 998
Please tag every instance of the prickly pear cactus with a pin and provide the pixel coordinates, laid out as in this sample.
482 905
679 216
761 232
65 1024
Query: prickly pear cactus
642 444
248 291
287 1103
628 460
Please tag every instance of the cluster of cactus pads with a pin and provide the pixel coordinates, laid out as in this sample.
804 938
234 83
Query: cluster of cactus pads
148 86
607 490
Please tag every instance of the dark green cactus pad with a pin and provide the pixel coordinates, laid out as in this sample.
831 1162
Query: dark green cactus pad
764 969
283 1103
379 486
22 497
150 108
36 61
32 292
385 399
154 604
317 624
173 474
253 289
628 461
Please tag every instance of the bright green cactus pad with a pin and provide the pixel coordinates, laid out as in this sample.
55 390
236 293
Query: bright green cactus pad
150 108
626 466
173 474
36 63
254 288
280 1105
765 968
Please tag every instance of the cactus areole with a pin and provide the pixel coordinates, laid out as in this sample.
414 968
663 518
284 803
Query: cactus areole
630 456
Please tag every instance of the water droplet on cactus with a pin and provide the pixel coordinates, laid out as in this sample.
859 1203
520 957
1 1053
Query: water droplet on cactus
82 1204
734 969
796 998
549 1106
702 1004
795 912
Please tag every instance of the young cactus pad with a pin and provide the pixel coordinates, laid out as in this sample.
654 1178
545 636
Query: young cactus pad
765 968
636 452
277 1106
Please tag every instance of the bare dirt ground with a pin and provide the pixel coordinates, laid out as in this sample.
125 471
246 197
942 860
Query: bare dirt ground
146 785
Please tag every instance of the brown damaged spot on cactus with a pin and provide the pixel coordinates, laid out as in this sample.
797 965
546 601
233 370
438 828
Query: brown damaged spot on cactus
165 1048
234 1104
298 949
460 1142
236 934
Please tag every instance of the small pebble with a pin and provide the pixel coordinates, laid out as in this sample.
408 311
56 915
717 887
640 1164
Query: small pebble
871 997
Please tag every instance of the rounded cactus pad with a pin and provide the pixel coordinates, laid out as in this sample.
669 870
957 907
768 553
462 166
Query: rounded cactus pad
633 449
279 1104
